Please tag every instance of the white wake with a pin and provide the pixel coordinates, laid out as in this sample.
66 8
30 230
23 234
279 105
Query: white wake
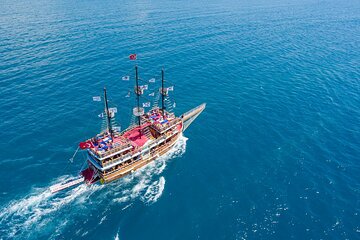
24 217
149 187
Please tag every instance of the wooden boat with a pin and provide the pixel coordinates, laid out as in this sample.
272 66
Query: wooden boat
112 154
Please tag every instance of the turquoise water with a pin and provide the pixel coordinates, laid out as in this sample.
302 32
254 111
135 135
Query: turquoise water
275 155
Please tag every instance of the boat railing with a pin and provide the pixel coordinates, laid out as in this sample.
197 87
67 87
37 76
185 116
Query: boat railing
131 154
111 151
125 166
122 156
159 127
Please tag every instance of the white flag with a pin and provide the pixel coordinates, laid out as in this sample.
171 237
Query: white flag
97 99
144 87
170 88
152 80
125 78
113 110
118 129
152 94
147 104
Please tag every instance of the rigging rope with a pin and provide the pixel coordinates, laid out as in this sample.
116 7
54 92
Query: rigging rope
72 158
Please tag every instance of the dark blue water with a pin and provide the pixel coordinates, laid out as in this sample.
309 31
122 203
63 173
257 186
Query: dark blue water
275 155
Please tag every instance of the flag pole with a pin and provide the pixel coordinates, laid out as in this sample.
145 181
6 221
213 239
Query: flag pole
107 113
162 92
137 92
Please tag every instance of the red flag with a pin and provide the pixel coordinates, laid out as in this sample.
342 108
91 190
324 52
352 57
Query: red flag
85 145
132 56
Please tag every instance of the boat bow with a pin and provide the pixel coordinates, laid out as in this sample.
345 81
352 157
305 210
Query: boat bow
191 115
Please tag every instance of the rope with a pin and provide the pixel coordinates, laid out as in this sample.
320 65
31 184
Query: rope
84 163
72 158
70 161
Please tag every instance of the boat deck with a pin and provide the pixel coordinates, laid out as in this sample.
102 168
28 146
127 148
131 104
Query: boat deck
106 142
155 116
136 136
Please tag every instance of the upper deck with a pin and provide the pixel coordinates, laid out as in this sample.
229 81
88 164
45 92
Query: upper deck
160 122
154 125
104 145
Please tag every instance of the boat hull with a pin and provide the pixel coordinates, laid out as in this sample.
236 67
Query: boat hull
145 160
187 118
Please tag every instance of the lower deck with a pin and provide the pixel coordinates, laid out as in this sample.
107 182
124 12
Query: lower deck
129 166
135 164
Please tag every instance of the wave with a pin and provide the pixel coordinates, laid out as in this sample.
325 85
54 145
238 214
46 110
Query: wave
21 218
37 209
117 236
147 188
154 191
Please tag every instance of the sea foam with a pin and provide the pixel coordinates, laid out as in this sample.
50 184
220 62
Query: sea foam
26 216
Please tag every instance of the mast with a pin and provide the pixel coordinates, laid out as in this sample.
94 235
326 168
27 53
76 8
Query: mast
162 92
108 117
137 92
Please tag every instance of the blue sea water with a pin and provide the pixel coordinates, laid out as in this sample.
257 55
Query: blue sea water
275 155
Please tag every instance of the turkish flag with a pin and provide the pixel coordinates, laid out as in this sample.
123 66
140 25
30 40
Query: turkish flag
132 56
85 145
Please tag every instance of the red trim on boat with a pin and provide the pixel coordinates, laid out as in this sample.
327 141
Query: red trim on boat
88 175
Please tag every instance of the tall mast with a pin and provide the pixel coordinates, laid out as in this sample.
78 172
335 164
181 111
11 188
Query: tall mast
108 117
162 92
137 92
